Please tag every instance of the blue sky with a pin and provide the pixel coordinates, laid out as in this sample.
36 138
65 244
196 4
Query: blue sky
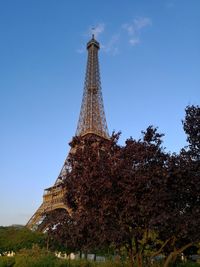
150 64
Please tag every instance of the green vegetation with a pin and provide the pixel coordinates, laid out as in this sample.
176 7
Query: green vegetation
137 198
14 238
49 260
40 257
136 202
7 262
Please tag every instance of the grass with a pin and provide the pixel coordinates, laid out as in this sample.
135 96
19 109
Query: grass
37 257
52 261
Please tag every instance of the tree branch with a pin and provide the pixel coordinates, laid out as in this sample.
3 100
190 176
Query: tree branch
161 248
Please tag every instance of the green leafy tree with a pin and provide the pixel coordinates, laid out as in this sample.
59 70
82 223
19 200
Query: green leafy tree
15 238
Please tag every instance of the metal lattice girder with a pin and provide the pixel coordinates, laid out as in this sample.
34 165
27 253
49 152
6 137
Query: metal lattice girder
92 116
53 198
92 120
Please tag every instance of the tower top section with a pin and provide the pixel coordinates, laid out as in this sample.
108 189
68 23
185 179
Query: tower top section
92 118
93 42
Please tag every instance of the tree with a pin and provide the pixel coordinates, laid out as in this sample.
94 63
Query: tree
181 228
90 184
136 196
113 192
15 238
61 231
143 168
191 126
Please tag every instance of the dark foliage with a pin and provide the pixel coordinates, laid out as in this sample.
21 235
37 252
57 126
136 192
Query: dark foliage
92 189
136 196
191 126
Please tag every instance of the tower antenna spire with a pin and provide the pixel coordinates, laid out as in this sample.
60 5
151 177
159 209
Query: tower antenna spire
93 32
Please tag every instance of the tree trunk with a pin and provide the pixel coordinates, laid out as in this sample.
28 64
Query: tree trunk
138 254
139 259
169 258
129 248
174 254
47 243
130 252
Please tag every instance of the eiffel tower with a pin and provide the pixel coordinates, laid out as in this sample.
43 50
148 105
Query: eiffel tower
92 120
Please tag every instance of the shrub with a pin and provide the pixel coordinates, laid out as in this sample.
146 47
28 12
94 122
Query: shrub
34 257
188 264
6 261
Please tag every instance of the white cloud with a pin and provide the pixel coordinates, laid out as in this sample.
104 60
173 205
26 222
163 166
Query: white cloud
81 50
134 29
112 45
140 23
91 30
136 25
134 41
97 30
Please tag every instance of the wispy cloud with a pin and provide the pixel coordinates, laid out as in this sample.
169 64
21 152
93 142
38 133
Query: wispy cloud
112 45
131 30
97 30
135 27
134 41
80 50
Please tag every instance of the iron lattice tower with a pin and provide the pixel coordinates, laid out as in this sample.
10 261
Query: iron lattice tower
92 120
92 116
